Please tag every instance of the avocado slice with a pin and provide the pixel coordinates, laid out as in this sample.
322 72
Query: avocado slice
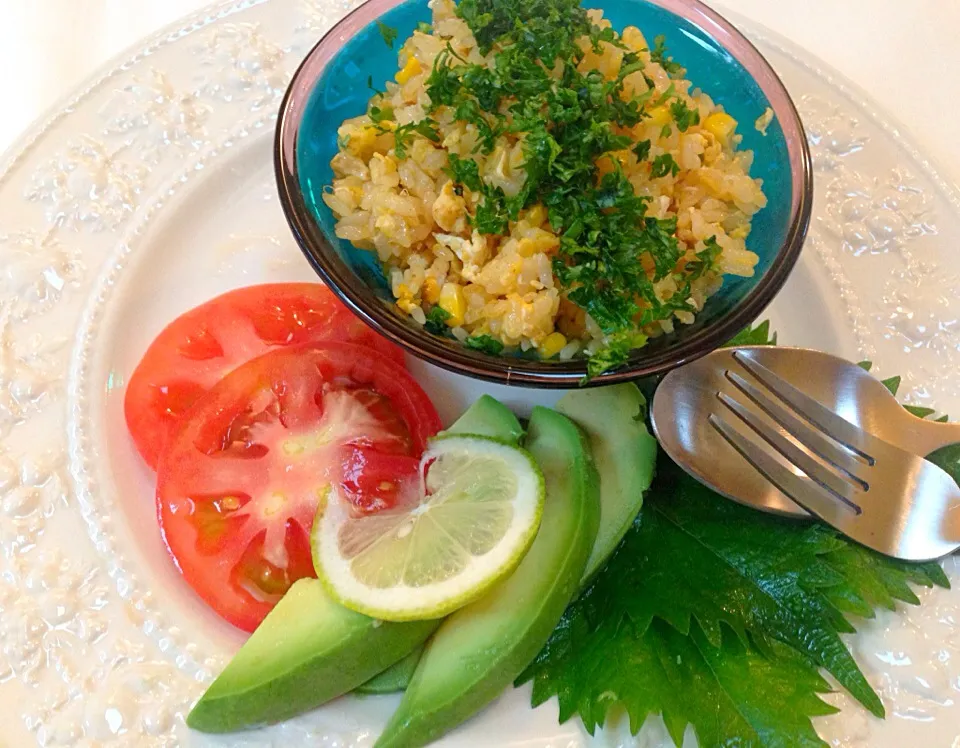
489 417
394 678
486 417
307 651
625 453
479 650
310 649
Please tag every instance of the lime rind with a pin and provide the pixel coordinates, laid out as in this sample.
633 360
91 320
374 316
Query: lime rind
477 520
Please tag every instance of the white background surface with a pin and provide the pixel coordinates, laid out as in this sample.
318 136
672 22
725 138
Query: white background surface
902 52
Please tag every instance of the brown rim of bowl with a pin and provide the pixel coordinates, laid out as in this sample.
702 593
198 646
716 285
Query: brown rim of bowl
449 354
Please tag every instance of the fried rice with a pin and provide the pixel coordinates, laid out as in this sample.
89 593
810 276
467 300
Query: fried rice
503 287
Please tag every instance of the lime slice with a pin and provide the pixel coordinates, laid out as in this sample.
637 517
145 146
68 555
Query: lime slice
477 513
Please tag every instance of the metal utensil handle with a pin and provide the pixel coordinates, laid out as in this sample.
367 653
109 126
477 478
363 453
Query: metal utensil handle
924 436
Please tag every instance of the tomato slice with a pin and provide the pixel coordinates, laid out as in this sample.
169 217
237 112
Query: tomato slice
241 479
198 348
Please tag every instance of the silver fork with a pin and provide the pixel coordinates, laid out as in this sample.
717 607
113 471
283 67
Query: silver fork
872 491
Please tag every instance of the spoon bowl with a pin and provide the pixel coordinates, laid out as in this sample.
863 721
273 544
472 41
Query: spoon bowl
687 396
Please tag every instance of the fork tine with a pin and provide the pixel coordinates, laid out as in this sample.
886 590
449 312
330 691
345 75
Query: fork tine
814 440
806 493
839 429
829 481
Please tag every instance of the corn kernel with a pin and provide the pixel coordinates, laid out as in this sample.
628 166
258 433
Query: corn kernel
407 305
431 290
536 215
721 125
409 70
452 302
659 116
552 345
525 248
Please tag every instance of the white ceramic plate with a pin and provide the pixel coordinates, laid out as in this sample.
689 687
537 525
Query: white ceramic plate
151 190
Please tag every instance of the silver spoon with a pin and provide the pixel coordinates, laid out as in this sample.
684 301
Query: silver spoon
687 397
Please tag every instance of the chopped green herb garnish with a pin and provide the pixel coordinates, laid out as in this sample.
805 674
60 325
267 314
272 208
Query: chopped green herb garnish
388 33
436 323
642 150
403 135
544 29
663 165
616 353
379 115
665 131
496 211
706 260
568 122
425 28
443 84
670 93
464 171
659 55
683 115
484 344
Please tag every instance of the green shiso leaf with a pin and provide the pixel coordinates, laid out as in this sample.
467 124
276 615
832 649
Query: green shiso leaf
722 618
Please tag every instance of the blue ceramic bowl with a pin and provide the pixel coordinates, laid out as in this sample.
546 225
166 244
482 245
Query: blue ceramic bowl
332 85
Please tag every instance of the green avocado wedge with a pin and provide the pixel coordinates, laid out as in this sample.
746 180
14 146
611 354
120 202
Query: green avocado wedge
478 651
489 417
394 678
310 649
486 417
625 453
307 651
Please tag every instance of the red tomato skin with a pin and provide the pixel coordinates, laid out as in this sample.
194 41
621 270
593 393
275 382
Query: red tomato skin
202 345
203 485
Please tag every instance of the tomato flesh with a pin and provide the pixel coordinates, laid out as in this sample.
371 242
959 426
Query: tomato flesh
372 481
200 347
241 479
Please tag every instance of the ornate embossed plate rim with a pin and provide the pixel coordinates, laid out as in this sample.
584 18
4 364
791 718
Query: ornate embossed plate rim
887 121
83 427
21 148
156 199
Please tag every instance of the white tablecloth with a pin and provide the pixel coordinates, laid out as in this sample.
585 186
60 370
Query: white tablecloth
902 52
